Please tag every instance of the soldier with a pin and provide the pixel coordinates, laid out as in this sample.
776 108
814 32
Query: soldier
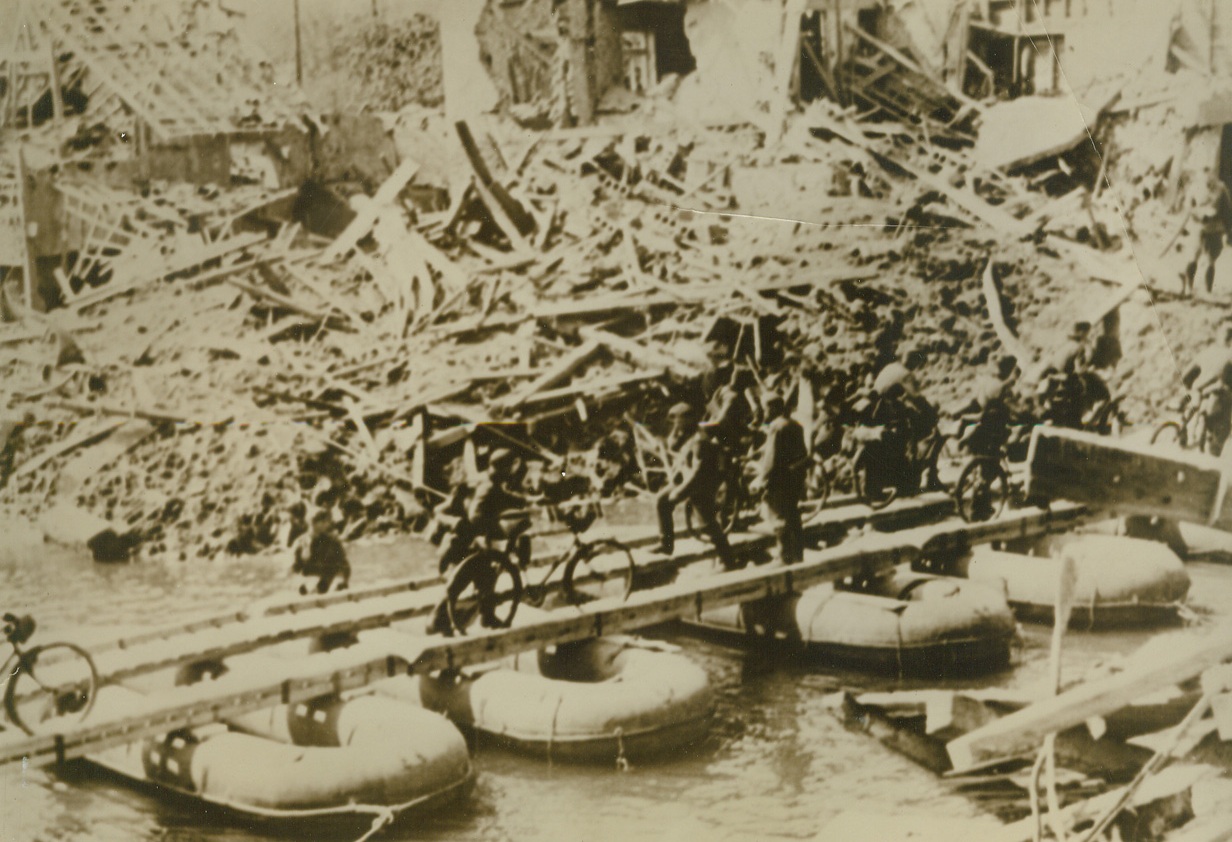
695 479
495 511
322 556
1210 380
781 475
1211 216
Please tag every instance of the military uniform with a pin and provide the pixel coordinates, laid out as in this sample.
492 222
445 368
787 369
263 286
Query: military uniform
696 478
783 469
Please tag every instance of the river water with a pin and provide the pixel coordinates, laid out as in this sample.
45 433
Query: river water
778 764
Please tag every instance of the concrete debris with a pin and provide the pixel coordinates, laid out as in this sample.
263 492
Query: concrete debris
1028 129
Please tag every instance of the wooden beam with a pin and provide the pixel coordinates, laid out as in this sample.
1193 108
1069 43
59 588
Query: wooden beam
86 434
1022 732
1127 478
593 390
638 354
1009 341
156 416
510 216
559 371
23 216
186 262
384 200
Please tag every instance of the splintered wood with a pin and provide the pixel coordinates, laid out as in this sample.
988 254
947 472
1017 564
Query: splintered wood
564 288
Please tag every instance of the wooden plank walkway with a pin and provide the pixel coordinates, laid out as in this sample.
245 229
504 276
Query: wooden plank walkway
207 643
356 667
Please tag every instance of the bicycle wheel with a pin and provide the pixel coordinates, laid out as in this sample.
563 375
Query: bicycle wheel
58 680
816 488
982 490
607 548
728 504
1169 434
492 580
872 494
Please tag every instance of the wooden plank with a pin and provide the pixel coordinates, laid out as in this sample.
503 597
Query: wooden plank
593 390
638 354
23 217
278 299
157 416
86 434
1175 780
383 201
882 725
509 216
962 199
497 212
221 699
1023 731
841 518
1128 478
182 263
1009 341
559 371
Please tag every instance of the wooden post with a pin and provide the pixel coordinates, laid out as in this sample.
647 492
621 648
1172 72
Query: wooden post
53 75
579 29
299 48
23 213
839 61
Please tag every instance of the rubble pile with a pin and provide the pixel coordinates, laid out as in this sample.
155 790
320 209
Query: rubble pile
568 293
221 362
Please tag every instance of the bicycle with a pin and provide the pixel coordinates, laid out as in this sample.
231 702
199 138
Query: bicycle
881 472
817 487
45 682
983 488
1188 429
578 516
486 577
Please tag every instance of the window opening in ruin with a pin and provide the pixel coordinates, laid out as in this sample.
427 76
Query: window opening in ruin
1021 65
816 76
653 43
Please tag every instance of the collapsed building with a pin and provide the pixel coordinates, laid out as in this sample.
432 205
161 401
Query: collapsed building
225 309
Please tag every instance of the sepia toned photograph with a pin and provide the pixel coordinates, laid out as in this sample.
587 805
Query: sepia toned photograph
588 420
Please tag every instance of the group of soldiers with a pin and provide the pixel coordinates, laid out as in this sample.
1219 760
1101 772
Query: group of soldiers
739 425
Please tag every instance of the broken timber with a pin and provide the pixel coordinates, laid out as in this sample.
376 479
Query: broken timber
1021 732
404 652
1128 478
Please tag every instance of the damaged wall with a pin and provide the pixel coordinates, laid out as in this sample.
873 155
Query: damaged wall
931 31
517 45
734 45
